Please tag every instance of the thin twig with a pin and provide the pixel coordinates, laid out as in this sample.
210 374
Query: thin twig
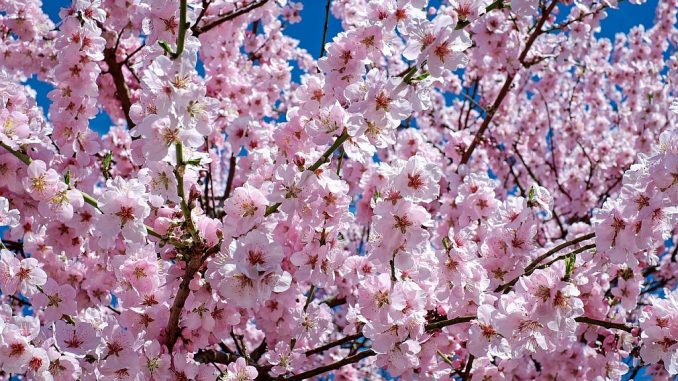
198 30
335 365
314 167
327 21
603 323
336 343
507 286
231 174
467 370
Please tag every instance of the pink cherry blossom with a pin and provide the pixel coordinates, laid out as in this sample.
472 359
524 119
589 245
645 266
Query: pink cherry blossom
465 189
239 370
78 338
8 217
244 210
125 208
23 275
57 299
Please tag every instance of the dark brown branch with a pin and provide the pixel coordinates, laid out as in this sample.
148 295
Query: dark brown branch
657 286
220 357
507 83
259 351
335 365
464 91
507 286
114 310
553 165
556 217
369 352
467 370
486 122
198 256
13 245
121 91
198 30
576 19
203 11
336 343
132 54
472 101
327 21
592 165
574 252
211 356
173 330
231 174
447 322
634 373
556 249
440 151
498 4
603 197
20 301
603 323
334 301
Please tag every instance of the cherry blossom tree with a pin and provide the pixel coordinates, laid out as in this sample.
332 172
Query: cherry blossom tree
465 190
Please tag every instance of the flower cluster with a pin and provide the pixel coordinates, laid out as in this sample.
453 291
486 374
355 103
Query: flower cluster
79 47
456 190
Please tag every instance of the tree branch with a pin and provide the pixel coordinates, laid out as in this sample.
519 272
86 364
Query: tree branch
198 30
89 199
18 154
367 353
229 181
173 330
121 90
603 323
507 83
211 356
556 249
322 160
327 21
181 37
336 343
467 370
335 365
507 286
447 322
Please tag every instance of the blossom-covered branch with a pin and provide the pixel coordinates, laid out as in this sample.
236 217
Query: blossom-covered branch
451 190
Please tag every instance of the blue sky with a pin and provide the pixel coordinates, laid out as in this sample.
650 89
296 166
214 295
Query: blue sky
309 33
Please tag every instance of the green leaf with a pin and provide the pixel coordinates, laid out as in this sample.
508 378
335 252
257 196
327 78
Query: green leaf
410 73
195 162
531 194
106 165
67 177
569 265
421 77
447 243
